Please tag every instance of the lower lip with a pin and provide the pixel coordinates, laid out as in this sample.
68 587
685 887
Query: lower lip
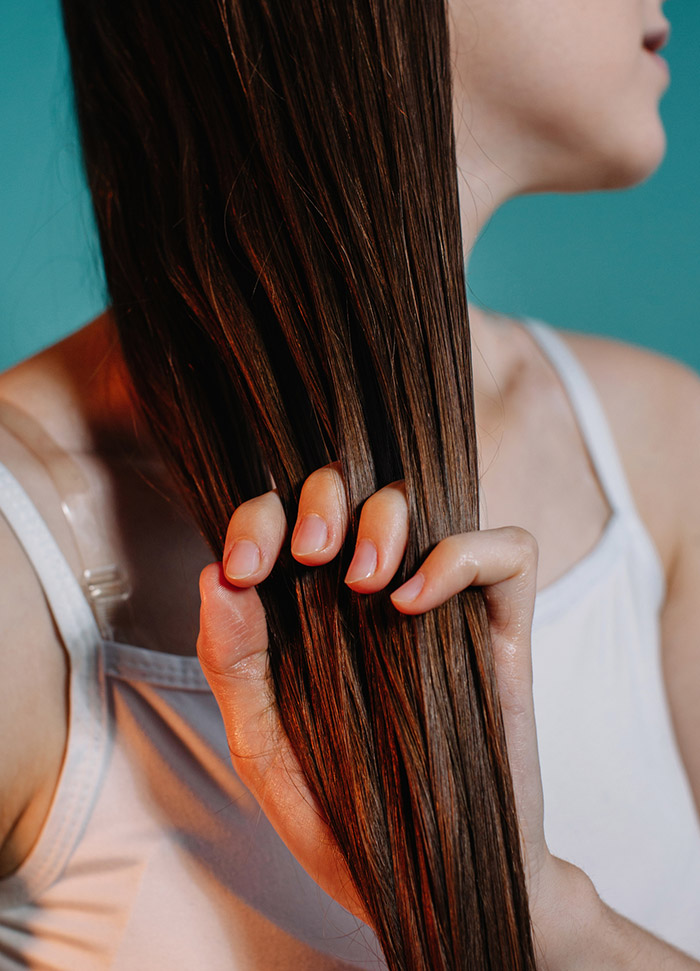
660 61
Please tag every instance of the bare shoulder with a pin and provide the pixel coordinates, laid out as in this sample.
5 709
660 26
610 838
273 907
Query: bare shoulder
653 405
33 670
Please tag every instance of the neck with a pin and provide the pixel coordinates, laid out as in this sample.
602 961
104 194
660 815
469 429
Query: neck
484 186
483 189
479 198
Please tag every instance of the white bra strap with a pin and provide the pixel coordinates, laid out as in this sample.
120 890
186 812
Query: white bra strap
71 612
590 416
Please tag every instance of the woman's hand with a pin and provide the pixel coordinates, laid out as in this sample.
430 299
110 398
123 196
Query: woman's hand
573 929
233 651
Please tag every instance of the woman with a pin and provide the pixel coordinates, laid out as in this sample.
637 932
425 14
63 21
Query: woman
526 131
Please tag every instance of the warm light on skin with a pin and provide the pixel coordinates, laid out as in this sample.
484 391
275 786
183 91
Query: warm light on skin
553 96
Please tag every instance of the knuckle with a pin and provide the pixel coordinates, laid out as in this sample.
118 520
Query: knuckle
232 636
371 507
250 506
325 484
386 509
253 511
524 543
393 495
226 666
454 547
399 485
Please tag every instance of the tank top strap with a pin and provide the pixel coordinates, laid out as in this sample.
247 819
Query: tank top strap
70 610
87 735
591 418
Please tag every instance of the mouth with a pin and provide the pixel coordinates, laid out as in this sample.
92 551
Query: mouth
656 39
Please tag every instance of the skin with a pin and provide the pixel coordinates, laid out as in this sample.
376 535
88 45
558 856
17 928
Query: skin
555 96
586 118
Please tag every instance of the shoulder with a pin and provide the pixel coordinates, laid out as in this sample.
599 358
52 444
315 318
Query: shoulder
33 671
618 368
653 405
654 408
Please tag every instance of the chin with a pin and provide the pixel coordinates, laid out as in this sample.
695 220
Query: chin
636 163
624 168
627 159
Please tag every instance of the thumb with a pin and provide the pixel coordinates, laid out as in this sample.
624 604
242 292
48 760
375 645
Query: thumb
233 630
232 650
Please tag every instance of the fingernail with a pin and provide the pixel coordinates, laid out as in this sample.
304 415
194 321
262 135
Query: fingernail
243 560
363 563
410 590
311 535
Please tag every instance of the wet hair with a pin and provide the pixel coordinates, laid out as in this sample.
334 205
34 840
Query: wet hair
275 186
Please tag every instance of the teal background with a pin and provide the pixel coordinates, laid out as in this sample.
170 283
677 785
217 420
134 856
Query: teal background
622 263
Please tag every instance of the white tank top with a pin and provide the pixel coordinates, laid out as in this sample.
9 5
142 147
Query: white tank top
154 856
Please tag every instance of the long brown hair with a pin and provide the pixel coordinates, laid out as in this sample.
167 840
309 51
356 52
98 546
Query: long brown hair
275 187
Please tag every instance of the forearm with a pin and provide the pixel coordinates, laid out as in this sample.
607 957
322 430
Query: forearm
579 932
